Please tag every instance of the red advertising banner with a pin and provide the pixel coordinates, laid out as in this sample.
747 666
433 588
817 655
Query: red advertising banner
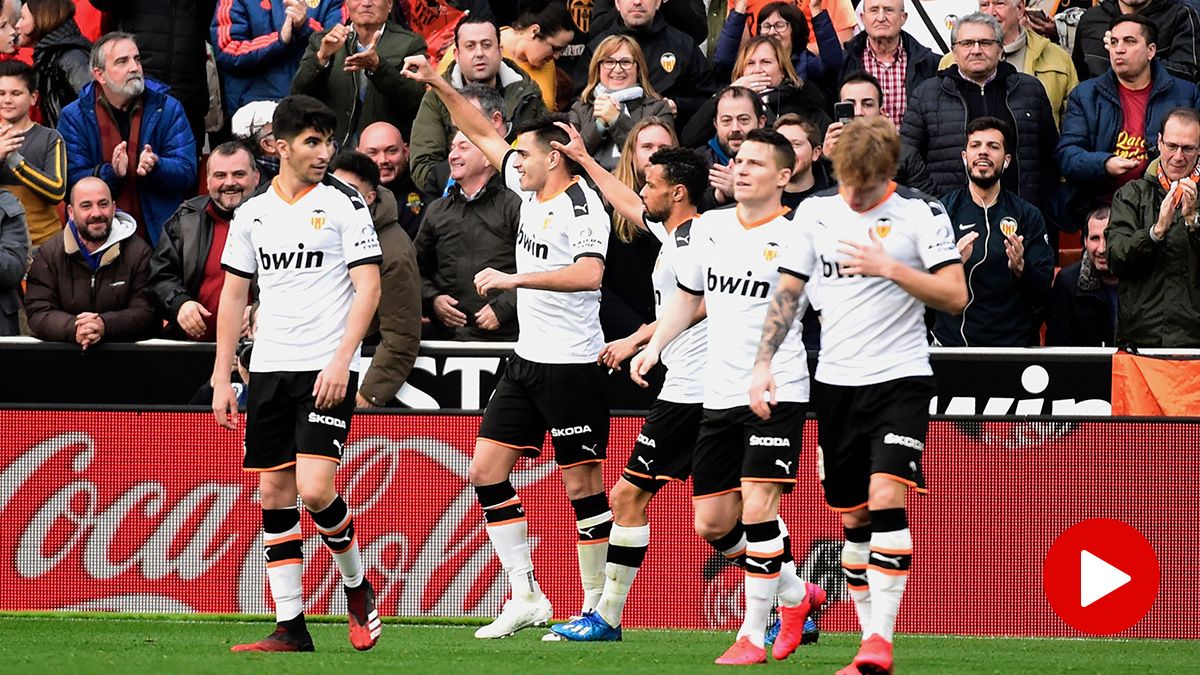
150 512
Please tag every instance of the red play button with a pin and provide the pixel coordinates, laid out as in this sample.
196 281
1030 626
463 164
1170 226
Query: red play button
1101 576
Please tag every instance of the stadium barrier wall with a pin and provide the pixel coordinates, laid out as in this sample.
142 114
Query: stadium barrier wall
150 512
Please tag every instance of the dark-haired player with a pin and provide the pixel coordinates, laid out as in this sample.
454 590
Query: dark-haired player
553 382
309 239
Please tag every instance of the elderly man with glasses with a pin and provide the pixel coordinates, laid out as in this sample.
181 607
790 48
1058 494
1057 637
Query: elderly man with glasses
979 84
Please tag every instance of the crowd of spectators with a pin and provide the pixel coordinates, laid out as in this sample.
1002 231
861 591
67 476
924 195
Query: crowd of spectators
131 131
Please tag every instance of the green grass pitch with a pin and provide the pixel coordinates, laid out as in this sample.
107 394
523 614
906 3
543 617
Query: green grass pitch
112 644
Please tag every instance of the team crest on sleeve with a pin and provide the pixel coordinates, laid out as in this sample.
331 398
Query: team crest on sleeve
1008 226
883 227
318 219
771 252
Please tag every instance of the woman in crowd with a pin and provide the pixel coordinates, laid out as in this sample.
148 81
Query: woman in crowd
762 67
617 96
785 22
10 14
60 54
627 297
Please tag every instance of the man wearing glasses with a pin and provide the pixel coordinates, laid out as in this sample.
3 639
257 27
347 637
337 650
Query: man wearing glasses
1154 242
889 54
1112 122
979 84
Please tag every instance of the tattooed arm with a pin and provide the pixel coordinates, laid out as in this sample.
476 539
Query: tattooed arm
780 316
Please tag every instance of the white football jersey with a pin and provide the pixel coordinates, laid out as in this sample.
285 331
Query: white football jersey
736 267
871 329
685 356
556 326
302 251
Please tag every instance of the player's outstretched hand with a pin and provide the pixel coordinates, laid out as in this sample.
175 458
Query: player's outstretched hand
489 279
224 405
418 68
762 391
641 364
616 352
869 260
330 387
575 149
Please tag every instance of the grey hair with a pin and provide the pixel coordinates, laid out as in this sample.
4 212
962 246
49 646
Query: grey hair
490 100
13 6
982 19
100 49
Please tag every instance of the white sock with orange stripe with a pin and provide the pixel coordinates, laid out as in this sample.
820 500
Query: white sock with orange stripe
508 531
282 546
887 568
855 553
764 559
336 527
593 523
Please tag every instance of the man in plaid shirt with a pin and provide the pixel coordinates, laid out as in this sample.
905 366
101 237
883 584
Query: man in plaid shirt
890 55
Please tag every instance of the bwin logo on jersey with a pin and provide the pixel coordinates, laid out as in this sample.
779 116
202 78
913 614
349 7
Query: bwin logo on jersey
570 431
291 260
770 441
532 246
906 441
314 418
646 441
738 286
833 268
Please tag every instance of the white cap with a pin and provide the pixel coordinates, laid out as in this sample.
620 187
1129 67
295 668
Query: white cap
251 118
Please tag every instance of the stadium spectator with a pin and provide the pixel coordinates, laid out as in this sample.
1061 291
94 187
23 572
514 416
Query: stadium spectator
33 158
89 285
893 57
473 227
477 60
739 110
14 258
810 175
864 91
1004 248
763 67
678 69
1031 53
785 22
1112 121
1083 300
397 323
128 131
617 95
355 68
1176 23
434 20
251 125
981 85
626 291
258 49
385 145
689 16
539 34
185 271
60 54
173 38
1153 243
10 16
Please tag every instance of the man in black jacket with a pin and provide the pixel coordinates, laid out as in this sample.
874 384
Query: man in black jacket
980 85
1003 244
1083 301
889 54
1177 26
185 272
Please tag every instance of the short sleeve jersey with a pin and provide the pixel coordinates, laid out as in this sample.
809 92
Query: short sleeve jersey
558 326
302 251
735 266
685 356
872 330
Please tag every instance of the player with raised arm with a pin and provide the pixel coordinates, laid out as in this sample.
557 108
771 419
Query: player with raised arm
742 465
675 180
553 381
870 257
309 239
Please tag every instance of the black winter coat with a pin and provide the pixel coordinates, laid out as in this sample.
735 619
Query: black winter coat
936 121
61 62
1081 311
177 266
805 100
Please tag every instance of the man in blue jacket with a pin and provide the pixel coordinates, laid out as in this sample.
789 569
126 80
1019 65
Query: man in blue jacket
1003 244
1110 129
127 131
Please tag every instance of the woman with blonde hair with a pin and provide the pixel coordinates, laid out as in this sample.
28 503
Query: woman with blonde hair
627 296
764 68
617 95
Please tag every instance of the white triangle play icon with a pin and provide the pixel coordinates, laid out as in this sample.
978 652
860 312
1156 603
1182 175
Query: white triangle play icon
1097 578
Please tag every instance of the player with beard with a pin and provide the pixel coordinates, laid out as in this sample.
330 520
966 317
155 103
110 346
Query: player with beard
1003 243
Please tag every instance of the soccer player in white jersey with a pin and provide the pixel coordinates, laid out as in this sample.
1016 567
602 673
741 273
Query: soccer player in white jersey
675 180
309 239
553 382
743 465
869 257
